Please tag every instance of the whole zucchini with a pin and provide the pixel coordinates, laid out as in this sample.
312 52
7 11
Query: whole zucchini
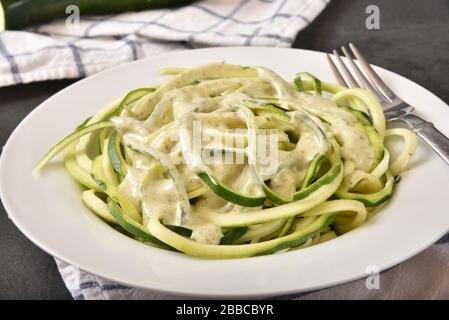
19 14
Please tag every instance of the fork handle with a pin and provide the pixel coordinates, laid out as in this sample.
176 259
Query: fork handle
431 135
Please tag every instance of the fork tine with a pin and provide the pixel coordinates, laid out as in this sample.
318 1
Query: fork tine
377 81
363 81
336 72
351 81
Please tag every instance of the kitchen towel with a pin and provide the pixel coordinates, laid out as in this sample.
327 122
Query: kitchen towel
68 49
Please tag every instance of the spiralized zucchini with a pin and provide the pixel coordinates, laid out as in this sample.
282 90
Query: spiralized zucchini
284 166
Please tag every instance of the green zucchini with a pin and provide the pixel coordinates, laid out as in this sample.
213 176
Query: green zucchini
76 172
115 155
68 140
97 206
371 133
272 196
83 124
268 108
97 173
136 229
237 251
224 192
291 209
112 213
313 169
19 14
255 223
232 236
182 231
297 238
307 76
336 166
287 226
110 189
131 97
373 199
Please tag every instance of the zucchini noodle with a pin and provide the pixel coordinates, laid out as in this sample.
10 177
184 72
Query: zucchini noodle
226 161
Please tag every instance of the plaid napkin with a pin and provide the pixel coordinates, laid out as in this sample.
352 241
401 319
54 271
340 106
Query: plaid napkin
59 50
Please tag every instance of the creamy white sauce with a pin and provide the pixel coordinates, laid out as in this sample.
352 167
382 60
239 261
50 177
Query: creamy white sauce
204 232
215 103
159 198
131 184
355 144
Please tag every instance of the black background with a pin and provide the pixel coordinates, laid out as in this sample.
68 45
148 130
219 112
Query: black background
413 41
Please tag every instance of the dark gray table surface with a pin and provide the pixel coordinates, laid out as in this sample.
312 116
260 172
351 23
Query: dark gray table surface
413 41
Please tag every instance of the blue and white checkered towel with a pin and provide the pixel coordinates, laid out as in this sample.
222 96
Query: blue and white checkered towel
65 50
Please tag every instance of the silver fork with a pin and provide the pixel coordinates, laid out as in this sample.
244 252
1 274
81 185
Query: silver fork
394 107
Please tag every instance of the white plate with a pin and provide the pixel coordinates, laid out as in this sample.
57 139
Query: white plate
48 208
